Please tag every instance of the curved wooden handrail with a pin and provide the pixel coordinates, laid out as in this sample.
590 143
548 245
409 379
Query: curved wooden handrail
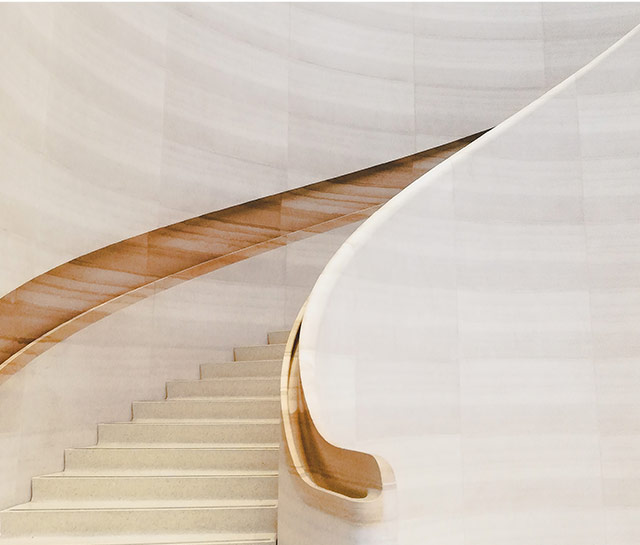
64 300
344 483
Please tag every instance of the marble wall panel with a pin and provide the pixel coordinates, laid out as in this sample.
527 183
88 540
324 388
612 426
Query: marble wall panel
225 122
536 389
118 119
351 81
474 62
122 118
104 125
609 110
24 54
575 35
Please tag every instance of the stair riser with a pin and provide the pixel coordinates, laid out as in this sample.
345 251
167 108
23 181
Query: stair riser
143 433
109 460
278 337
184 409
260 368
154 488
230 388
265 352
155 521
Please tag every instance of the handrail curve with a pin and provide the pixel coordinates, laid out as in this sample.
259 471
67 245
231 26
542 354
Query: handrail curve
49 308
344 483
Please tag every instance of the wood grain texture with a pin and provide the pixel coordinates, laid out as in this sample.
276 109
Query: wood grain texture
67 298
350 485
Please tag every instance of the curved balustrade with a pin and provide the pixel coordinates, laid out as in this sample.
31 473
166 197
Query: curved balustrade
341 482
480 330
54 305
121 118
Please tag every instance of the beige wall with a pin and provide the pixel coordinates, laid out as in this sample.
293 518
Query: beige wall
116 119
480 331
119 118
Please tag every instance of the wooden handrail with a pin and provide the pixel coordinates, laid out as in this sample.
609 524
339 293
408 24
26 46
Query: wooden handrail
344 483
64 300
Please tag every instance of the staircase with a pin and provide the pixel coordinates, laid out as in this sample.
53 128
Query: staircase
200 467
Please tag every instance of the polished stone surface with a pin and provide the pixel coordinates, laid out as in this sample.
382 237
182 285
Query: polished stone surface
117 119
198 467
480 331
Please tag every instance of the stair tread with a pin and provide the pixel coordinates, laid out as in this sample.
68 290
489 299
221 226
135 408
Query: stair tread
129 505
94 492
242 362
281 345
229 379
196 421
182 446
186 474
117 473
191 446
188 421
214 399
145 539
259 352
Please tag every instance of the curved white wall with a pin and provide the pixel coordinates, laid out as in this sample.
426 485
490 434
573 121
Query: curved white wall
116 119
480 331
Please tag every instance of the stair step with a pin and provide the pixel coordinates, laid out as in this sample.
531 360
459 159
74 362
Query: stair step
194 408
173 433
278 337
261 352
138 517
227 387
67 487
147 539
199 468
256 368
154 459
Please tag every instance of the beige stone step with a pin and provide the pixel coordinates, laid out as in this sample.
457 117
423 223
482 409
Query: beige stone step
147 539
190 432
225 387
154 459
65 519
68 487
255 368
219 407
278 337
199 468
261 352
